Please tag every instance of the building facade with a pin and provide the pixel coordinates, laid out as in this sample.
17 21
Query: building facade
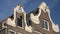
36 22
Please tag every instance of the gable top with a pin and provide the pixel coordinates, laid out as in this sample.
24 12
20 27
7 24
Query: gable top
44 7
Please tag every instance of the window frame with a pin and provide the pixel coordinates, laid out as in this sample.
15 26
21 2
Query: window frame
47 25
19 32
35 31
12 31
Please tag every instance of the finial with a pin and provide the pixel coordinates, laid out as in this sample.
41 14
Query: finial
20 5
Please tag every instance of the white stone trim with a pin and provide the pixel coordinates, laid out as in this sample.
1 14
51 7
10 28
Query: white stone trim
19 9
11 22
3 25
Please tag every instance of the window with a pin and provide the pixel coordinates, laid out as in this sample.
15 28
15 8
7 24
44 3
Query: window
36 32
12 32
45 25
28 22
19 21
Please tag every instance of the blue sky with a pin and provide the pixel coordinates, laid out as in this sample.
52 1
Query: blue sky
6 7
